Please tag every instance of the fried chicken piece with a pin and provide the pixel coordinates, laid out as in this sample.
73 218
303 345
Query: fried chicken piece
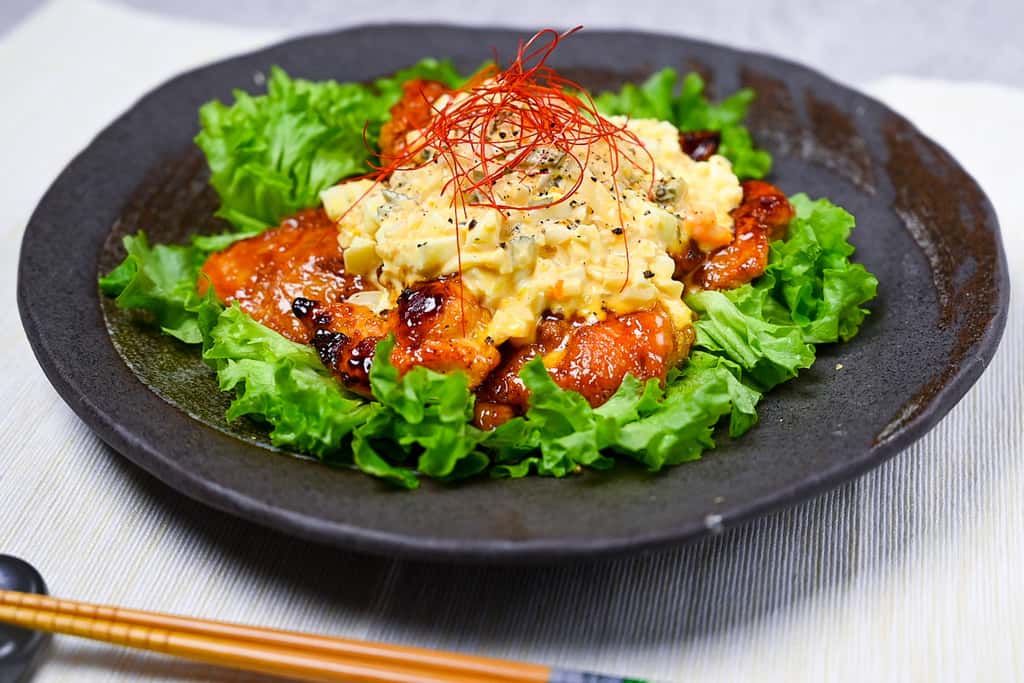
412 112
443 327
761 217
345 335
503 390
265 274
597 357
292 279
428 328
591 359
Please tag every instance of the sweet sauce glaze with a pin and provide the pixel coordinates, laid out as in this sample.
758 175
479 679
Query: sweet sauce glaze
267 273
412 112
590 358
761 217
701 144
440 325
428 325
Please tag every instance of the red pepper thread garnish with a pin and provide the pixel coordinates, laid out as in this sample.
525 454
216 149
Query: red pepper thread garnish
543 111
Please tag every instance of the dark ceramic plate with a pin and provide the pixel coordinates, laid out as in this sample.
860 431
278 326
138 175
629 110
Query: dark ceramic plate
926 230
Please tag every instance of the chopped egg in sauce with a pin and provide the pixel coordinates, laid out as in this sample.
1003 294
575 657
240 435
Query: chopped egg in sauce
584 256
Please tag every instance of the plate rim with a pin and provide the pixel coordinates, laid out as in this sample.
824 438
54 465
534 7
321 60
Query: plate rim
393 544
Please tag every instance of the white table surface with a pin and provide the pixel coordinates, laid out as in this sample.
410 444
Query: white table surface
912 572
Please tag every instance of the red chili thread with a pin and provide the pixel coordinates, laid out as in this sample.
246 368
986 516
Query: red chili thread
543 109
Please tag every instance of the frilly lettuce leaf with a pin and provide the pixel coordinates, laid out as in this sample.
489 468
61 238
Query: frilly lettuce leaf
689 110
426 414
281 383
653 426
811 272
161 279
681 426
560 424
768 353
809 294
271 155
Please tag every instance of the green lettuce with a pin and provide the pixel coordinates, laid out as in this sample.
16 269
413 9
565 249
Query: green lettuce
560 424
419 422
689 110
681 426
812 274
271 155
768 353
641 420
161 279
426 414
282 383
810 293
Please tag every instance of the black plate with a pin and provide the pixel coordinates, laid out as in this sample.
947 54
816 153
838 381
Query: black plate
925 228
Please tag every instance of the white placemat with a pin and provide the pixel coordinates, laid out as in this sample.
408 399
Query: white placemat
913 572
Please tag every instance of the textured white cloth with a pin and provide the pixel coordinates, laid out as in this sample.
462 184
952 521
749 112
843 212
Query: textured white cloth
912 572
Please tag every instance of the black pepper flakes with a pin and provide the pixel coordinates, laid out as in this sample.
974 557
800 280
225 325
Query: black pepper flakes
648 274
472 224
616 231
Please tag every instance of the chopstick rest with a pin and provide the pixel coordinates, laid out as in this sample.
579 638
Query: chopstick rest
20 650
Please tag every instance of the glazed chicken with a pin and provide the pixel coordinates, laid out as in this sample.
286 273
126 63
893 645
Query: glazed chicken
761 217
435 324
591 359
266 273
412 112
291 279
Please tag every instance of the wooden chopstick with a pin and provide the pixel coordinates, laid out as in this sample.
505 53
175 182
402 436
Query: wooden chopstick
284 653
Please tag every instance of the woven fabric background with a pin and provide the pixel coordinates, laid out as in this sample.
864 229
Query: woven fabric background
912 572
